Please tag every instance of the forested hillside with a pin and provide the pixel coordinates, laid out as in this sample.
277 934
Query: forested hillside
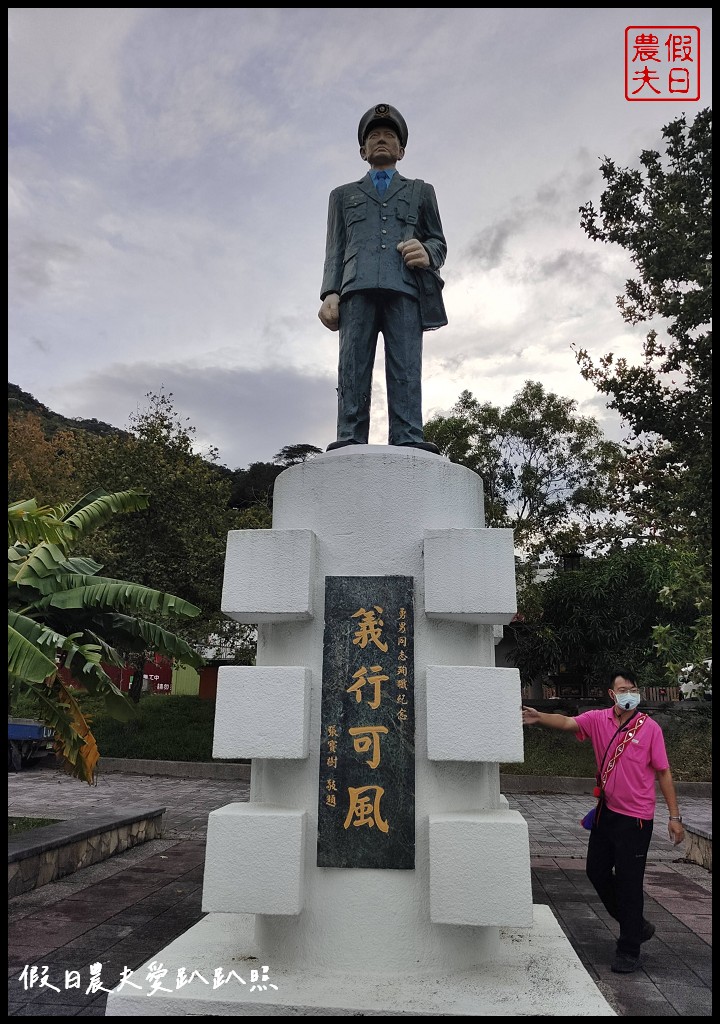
20 401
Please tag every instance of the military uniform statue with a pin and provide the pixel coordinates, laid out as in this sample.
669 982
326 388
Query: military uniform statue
383 232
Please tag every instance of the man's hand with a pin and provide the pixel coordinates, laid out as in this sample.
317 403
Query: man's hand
414 253
530 716
676 832
329 312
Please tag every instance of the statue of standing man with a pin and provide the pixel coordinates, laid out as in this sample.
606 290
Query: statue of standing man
384 246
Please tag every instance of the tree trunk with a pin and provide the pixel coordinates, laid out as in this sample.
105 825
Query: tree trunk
135 691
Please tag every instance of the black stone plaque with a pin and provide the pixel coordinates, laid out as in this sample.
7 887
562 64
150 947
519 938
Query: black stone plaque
366 812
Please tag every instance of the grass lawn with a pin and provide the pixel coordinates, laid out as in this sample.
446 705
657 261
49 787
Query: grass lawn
17 825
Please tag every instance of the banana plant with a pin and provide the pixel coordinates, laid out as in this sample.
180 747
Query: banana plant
62 612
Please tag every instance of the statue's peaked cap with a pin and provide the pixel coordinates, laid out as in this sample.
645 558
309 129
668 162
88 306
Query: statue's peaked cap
383 114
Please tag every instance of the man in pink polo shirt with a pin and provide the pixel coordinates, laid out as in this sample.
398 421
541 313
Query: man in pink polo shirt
630 755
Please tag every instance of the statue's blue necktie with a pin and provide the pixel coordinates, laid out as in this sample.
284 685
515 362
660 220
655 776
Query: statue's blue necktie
381 182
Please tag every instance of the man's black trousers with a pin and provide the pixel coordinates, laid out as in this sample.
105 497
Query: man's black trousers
616 858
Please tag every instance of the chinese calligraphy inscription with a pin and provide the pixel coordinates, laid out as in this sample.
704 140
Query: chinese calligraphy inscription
366 807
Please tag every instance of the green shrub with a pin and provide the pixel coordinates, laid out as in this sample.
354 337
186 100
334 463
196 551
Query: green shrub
557 754
167 728
170 728
688 741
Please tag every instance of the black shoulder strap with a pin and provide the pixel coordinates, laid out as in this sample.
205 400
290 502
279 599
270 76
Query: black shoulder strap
412 217
413 207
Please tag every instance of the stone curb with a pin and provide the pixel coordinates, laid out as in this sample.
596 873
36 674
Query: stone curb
229 771
48 837
176 769
557 784
50 852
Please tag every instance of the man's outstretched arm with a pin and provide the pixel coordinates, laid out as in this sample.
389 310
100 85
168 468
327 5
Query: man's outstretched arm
551 721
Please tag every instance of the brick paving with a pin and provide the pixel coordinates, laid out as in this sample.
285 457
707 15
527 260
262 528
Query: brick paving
122 911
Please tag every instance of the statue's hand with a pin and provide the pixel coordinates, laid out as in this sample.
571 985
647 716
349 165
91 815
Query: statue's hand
414 253
329 312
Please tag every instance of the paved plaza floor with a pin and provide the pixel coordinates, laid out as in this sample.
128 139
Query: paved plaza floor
86 928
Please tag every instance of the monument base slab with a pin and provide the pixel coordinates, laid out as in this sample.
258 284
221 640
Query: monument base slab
535 973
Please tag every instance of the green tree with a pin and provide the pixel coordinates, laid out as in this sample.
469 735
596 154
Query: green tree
51 456
37 463
687 655
588 621
62 613
661 213
292 454
544 467
21 402
252 488
179 543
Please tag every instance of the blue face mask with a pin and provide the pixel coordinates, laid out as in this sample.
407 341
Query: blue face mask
627 701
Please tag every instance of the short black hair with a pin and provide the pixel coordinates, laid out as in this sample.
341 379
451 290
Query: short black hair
625 673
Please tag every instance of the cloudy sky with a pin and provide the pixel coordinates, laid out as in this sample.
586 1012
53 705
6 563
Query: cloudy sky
169 171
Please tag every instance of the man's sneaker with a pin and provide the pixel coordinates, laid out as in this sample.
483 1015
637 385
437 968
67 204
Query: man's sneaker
648 930
625 964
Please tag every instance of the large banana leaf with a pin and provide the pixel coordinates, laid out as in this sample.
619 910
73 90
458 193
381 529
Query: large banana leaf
97 507
58 603
63 524
49 641
81 566
152 637
82 660
99 684
96 592
28 524
74 742
105 644
25 660
44 561
41 567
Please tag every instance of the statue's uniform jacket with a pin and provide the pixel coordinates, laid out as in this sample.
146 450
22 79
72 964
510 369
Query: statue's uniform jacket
378 293
363 232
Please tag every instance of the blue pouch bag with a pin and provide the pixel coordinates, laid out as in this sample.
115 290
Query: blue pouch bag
589 819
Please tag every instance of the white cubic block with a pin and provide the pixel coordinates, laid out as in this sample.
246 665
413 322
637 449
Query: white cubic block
470 575
473 714
480 869
268 575
255 860
262 711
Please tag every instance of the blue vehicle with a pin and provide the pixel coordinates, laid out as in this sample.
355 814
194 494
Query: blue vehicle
28 740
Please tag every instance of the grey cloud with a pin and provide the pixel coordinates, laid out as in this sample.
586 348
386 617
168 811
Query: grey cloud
36 262
491 244
247 415
568 265
555 202
40 344
568 189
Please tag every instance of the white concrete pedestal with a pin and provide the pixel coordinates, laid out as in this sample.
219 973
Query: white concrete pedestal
456 934
534 972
